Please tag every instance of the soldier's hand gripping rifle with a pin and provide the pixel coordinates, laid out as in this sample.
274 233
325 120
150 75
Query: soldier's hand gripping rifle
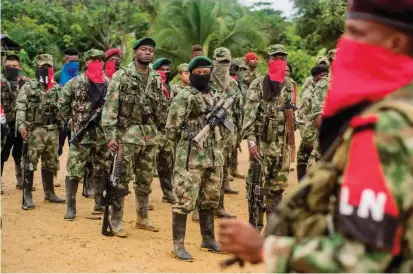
92 122
114 189
218 116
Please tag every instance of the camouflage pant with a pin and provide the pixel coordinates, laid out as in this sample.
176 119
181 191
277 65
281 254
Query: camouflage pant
139 161
165 163
273 176
43 144
79 155
201 184
227 162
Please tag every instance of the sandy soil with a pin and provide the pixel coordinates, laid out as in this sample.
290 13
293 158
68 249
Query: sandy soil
41 241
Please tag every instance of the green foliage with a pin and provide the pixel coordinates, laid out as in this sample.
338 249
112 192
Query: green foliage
212 24
41 26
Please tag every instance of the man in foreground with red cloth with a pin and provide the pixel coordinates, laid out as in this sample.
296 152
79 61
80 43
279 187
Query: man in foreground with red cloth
353 211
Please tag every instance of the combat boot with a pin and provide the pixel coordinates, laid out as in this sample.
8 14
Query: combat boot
220 212
117 217
47 181
71 190
165 179
19 175
27 192
228 189
234 173
100 182
206 222
195 215
143 221
178 234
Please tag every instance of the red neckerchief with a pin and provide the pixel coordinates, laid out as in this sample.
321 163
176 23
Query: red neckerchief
50 75
110 68
163 78
94 72
276 70
365 72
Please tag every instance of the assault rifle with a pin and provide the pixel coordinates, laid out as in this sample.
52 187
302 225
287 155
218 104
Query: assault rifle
256 206
218 116
27 167
92 122
114 189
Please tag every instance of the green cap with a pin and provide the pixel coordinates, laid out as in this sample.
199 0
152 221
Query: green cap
44 59
94 53
331 54
222 54
322 59
160 62
199 62
146 41
274 49
182 67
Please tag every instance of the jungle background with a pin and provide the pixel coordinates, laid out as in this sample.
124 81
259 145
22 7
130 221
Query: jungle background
50 26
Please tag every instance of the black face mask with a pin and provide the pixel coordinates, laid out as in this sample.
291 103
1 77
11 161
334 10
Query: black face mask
200 82
42 75
11 74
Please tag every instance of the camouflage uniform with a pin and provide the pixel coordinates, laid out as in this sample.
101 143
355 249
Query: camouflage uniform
234 115
131 115
267 117
311 248
308 131
37 112
165 150
250 75
315 109
13 140
200 178
75 104
178 86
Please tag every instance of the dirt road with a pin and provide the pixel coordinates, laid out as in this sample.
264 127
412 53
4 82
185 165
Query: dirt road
41 241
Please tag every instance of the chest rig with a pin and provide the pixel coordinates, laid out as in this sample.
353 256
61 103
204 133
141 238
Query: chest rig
9 92
135 103
198 107
41 107
271 119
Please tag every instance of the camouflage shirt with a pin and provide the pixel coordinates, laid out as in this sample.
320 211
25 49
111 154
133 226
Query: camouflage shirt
267 118
186 118
249 76
393 135
308 130
37 107
176 88
132 111
76 107
9 91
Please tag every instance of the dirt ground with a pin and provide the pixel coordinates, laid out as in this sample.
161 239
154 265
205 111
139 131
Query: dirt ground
41 241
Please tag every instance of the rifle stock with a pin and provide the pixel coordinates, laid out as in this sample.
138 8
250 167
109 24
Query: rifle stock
114 189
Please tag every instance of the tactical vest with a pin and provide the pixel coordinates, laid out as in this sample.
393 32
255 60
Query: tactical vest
270 116
8 97
195 120
41 107
313 209
81 104
135 106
